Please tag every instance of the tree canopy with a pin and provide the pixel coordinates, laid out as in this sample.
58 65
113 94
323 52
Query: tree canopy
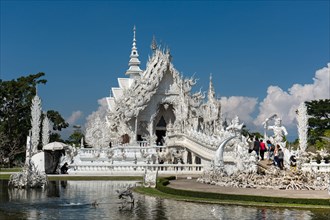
15 114
15 102
319 121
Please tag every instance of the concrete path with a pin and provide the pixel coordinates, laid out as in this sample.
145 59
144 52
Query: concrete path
186 184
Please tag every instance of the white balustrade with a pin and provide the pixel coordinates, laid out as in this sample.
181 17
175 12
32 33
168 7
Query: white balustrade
135 169
316 167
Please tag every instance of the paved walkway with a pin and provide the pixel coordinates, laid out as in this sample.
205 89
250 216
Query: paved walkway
192 185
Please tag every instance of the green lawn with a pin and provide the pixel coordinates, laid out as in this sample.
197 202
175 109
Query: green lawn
14 169
206 197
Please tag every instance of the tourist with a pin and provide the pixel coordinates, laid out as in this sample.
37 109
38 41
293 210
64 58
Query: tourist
276 162
256 146
64 168
262 149
293 163
271 149
280 158
250 144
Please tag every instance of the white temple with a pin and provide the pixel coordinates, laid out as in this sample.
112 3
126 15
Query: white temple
155 110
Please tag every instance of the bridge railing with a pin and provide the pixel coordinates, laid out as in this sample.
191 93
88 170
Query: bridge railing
313 166
135 169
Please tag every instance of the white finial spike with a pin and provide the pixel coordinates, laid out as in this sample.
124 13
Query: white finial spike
134 62
153 43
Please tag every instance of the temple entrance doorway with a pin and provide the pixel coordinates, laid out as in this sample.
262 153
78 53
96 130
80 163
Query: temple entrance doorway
160 131
160 137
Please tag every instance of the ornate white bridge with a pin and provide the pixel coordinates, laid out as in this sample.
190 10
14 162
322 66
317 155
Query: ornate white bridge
135 159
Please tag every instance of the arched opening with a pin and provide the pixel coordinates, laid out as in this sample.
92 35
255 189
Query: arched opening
160 131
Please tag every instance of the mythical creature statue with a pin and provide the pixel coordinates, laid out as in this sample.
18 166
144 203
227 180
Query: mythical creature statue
125 194
235 125
279 131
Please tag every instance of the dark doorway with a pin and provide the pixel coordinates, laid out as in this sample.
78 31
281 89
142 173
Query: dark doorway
189 158
160 131
160 134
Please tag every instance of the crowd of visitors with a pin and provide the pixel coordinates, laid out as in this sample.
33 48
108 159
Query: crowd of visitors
274 153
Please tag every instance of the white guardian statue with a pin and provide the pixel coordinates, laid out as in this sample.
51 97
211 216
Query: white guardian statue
279 131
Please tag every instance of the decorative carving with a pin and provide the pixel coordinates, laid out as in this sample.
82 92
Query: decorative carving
302 119
35 122
97 133
30 177
150 178
45 130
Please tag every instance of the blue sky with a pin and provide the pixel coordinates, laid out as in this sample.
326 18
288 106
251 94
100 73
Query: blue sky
256 50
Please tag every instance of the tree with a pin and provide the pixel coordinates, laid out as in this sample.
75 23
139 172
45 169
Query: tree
15 115
58 123
319 121
15 112
75 137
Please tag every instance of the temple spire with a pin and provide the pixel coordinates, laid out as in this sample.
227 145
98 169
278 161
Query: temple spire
134 63
153 44
211 93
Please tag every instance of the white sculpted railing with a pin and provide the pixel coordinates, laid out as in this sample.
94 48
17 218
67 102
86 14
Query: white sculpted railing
192 144
136 169
313 166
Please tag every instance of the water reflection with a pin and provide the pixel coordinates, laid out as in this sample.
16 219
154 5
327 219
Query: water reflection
74 199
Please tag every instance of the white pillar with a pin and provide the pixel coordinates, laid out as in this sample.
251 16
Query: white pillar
151 131
136 128
193 158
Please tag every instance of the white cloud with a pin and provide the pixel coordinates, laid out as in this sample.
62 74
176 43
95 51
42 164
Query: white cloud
75 116
285 103
241 106
101 111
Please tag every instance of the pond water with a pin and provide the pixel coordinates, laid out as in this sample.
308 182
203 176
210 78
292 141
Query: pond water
73 200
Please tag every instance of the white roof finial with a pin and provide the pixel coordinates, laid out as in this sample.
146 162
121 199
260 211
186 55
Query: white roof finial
134 39
134 62
211 93
153 44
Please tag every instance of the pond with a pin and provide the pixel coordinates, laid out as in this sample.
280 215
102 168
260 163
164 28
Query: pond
74 199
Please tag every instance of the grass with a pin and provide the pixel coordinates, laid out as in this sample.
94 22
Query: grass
15 169
165 192
157 193
4 176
